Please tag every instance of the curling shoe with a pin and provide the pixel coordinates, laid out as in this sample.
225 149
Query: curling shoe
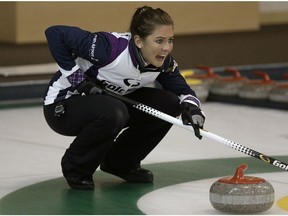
80 183
135 175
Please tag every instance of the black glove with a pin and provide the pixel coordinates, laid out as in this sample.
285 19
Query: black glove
192 115
86 88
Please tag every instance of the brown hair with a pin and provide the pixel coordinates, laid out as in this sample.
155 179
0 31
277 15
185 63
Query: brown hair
146 18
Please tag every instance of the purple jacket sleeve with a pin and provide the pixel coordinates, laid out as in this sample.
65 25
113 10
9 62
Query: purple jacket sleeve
66 43
175 82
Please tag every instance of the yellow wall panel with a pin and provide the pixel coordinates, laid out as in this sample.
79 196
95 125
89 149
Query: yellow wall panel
209 17
7 22
32 18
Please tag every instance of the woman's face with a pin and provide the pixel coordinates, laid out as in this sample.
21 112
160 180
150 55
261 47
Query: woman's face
157 46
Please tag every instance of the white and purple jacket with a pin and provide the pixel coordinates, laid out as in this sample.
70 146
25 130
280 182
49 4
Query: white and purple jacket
111 58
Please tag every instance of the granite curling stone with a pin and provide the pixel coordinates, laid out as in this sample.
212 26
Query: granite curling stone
197 85
257 89
206 74
228 86
241 194
280 92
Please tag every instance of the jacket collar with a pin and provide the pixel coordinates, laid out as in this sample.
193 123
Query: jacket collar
138 60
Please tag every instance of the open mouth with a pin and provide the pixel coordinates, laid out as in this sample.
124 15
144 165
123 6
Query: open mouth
160 57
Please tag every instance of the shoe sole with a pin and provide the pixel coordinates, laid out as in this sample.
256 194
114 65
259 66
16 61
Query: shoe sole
81 187
132 179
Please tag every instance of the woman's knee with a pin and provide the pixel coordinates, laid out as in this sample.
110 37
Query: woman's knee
117 116
120 115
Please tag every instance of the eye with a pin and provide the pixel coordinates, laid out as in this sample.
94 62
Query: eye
171 40
159 41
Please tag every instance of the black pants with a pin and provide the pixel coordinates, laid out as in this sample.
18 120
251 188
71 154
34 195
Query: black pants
97 120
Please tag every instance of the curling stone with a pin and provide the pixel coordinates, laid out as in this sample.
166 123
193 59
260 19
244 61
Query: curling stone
241 194
280 92
200 88
197 85
206 74
257 89
228 86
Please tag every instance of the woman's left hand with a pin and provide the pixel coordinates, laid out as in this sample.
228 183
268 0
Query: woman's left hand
194 116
